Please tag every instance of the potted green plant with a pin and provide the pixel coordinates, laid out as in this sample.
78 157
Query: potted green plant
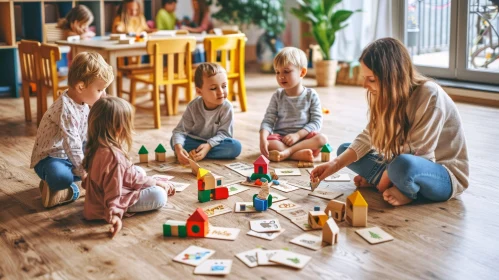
266 14
325 22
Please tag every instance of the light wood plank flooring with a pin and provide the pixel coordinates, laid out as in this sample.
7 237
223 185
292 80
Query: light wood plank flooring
451 240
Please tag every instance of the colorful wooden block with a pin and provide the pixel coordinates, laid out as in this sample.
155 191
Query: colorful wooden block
260 204
356 210
175 228
336 209
220 193
197 224
317 219
204 196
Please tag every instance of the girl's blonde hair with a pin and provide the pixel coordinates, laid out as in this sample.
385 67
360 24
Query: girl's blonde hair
122 12
79 13
110 124
397 79
87 67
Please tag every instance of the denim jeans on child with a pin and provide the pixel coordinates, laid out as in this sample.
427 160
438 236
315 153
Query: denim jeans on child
412 175
227 149
151 198
57 172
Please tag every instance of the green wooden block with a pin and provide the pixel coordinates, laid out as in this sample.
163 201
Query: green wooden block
167 230
182 231
204 196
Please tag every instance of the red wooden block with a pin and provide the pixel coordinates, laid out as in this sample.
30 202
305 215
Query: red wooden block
258 182
200 185
220 193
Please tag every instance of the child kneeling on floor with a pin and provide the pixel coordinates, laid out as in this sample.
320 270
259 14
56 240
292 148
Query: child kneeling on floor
114 185
290 128
205 129
58 151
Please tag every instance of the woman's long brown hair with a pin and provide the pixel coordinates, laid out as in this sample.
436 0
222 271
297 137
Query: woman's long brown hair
397 79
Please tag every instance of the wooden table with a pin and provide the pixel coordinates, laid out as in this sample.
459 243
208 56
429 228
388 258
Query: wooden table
111 50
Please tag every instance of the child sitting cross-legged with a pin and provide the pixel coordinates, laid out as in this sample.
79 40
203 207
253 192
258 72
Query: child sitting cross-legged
290 128
205 129
114 185
58 151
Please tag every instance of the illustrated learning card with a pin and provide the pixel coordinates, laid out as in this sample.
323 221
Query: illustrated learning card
290 259
236 188
244 207
338 178
214 267
249 257
374 235
194 255
308 241
284 205
270 225
287 171
242 168
284 187
216 209
264 256
266 235
223 233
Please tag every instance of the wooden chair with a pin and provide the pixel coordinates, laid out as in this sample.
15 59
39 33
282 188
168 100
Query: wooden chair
29 52
53 33
231 48
178 53
49 55
135 67
221 31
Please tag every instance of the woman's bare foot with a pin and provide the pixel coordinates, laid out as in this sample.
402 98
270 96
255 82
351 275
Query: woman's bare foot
361 182
303 155
395 197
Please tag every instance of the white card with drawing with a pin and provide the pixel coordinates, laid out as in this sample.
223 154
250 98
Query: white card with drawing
277 197
338 178
264 256
249 257
284 205
216 209
242 168
290 259
284 187
247 208
329 195
270 225
162 178
161 167
214 267
293 214
180 186
266 235
194 255
374 235
308 241
236 188
302 222
223 233
287 171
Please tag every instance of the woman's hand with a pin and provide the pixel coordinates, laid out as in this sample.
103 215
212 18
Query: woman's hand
324 170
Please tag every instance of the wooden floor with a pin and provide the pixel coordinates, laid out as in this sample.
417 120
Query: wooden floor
457 239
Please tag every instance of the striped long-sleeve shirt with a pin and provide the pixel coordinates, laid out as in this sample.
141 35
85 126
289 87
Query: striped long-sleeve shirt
288 114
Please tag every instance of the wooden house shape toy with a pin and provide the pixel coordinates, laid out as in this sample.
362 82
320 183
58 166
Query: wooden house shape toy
317 219
326 152
197 224
210 186
261 169
336 209
356 210
330 232
175 228
160 153
143 154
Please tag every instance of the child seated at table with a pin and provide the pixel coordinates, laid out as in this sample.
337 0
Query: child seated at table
77 22
166 18
130 18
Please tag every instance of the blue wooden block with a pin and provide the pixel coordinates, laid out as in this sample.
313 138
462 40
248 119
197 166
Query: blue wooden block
275 182
317 208
260 204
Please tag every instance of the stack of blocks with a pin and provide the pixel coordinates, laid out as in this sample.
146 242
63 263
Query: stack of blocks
261 169
143 154
263 200
210 186
196 226
160 153
325 153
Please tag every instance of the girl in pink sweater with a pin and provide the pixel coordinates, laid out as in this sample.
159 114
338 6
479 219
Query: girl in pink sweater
114 185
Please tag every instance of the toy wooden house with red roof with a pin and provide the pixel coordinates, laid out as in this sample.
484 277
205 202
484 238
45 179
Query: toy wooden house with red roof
261 169
197 224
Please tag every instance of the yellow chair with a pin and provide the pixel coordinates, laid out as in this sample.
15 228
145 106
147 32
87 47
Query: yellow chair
49 55
178 53
231 49
53 32
29 52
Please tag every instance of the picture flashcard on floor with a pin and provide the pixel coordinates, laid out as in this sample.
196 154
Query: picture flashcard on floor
270 225
249 258
302 184
302 222
179 187
374 235
309 241
214 267
236 188
284 205
293 214
194 255
216 209
242 168
291 259
284 187
161 167
162 178
325 194
277 197
265 235
338 178
223 233
287 171
264 256
247 208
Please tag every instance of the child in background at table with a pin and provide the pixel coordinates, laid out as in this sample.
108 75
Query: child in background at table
207 124
166 18
114 185
58 151
290 128
130 18
77 22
